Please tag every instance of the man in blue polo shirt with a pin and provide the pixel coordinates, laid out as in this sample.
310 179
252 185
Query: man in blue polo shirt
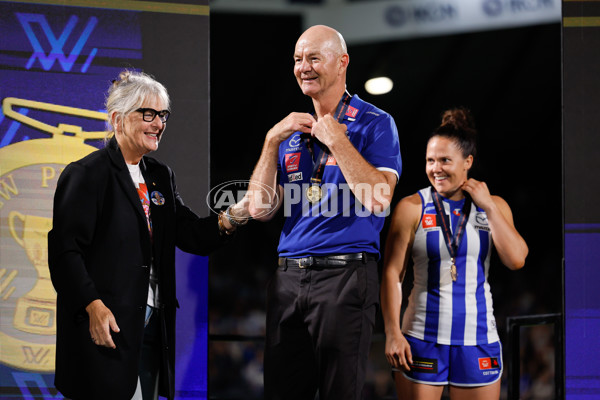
334 172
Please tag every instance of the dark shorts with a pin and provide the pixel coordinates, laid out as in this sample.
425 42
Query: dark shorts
439 364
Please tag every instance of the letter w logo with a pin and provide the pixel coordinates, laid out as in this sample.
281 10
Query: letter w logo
56 44
39 356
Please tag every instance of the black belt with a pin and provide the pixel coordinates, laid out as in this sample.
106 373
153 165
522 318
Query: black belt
338 260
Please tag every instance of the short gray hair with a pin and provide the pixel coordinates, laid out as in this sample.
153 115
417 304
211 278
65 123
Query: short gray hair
129 92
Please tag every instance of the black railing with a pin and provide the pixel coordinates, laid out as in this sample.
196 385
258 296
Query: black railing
514 325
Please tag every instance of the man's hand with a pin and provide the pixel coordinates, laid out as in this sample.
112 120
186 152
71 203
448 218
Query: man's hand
294 122
327 130
102 321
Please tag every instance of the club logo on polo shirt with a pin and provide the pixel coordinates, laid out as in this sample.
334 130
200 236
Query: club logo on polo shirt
294 143
292 162
331 160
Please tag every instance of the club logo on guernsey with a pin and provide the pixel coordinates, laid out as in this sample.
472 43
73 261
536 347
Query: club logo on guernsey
481 222
429 221
481 218
292 162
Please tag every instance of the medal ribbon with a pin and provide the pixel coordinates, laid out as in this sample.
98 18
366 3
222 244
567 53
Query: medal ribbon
319 167
452 241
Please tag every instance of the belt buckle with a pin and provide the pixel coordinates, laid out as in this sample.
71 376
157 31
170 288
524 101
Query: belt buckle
305 262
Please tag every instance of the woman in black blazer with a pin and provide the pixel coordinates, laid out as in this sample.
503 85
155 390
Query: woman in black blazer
117 219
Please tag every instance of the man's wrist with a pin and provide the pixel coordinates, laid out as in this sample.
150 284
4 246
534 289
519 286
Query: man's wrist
223 229
233 219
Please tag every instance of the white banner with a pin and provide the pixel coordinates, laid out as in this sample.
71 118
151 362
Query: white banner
385 20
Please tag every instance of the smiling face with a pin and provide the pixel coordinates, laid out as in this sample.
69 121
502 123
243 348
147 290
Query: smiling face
446 166
320 61
137 137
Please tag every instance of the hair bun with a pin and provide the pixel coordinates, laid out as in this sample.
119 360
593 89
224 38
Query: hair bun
459 119
458 125
123 77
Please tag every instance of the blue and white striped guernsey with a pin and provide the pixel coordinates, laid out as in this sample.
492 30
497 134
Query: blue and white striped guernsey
440 310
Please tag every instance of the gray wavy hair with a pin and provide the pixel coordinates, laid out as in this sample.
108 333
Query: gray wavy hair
129 92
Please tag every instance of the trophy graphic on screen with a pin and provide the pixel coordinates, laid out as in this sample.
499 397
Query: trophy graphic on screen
29 171
35 311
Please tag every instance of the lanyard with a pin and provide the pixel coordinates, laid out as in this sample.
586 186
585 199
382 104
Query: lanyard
452 241
321 159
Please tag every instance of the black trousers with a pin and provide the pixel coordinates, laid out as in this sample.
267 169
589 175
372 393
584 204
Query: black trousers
319 328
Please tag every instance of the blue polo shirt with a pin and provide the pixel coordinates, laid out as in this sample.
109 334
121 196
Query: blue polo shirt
338 224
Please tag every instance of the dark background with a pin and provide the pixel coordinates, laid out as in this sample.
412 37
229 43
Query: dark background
581 97
511 81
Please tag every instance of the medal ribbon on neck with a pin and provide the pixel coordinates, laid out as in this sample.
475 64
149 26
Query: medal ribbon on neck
319 167
452 241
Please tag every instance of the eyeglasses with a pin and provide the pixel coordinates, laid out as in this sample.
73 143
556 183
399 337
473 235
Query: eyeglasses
148 114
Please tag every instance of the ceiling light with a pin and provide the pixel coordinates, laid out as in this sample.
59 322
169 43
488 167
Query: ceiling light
380 85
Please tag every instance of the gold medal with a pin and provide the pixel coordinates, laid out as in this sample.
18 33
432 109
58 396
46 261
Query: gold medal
314 193
453 272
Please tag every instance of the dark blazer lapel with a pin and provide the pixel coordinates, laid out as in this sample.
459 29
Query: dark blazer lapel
124 179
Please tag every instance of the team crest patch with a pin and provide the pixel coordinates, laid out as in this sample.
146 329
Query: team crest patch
488 363
429 221
295 141
297 176
292 162
331 160
481 218
426 365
